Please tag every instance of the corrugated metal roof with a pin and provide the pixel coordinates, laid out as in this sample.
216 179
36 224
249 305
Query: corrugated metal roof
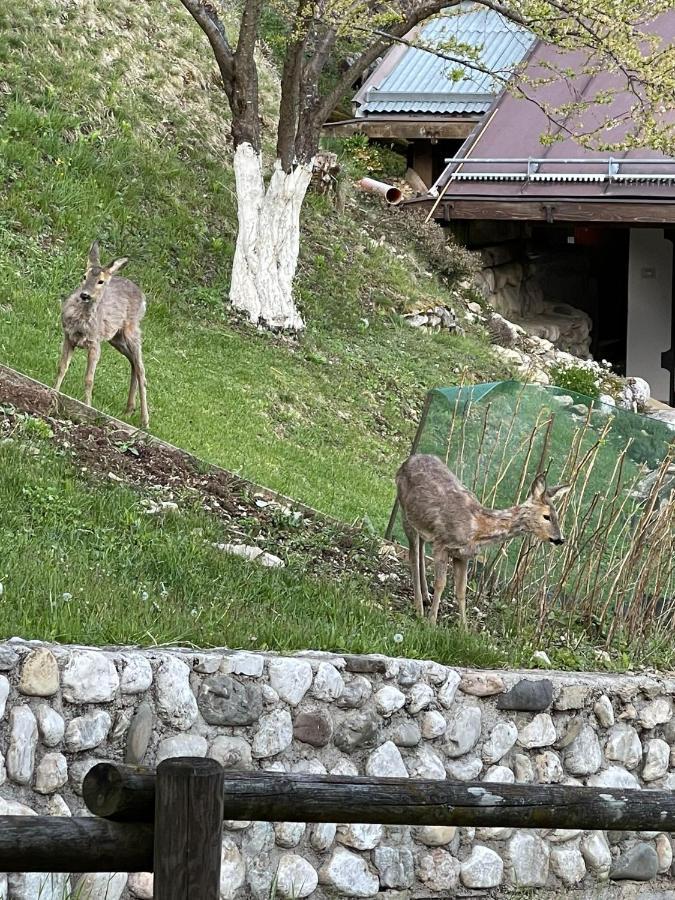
514 132
421 82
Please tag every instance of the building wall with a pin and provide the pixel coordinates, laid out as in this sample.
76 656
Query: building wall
650 302
62 709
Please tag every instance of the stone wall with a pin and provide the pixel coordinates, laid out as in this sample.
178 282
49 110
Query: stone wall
65 708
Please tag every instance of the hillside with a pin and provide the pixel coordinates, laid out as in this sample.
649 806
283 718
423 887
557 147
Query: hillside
114 127
106 539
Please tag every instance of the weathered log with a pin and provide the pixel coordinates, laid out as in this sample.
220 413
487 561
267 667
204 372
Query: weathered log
262 796
63 844
188 829
120 793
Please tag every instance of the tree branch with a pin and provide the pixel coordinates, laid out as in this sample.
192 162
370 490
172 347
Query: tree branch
206 17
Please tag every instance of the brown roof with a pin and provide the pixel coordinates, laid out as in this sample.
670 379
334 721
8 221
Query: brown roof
505 161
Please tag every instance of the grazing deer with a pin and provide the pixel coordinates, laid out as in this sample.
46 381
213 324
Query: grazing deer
105 307
436 507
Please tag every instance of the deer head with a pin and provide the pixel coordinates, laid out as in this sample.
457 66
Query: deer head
97 277
541 516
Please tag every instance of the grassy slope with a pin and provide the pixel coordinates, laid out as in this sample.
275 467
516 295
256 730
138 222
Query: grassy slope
111 125
80 560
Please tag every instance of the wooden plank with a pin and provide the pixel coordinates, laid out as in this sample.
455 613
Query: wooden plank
403 129
262 796
188 829
63 844
621 212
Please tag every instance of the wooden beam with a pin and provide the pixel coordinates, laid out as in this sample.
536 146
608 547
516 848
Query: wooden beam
552 211
402 129
63 844
262 796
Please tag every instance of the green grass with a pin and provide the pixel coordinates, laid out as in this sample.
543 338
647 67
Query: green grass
105 133
81 561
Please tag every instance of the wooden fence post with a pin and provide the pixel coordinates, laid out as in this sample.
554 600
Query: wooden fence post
189 802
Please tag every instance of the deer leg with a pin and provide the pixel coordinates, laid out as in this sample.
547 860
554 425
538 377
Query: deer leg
66 356
441 559
413 558
120 344
133 341
92 361
460 569
423 572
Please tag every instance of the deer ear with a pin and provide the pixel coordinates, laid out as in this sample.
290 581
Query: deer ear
558 491
538 488
94 257
117 265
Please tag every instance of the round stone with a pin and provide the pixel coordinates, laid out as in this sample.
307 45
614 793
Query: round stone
232 870
529 856
88 731
90 677
231 752
502 738
583 756
435 835
348 875
483 869
288 834
51 774
51 725
539 733
389 700
439 870
421 695
623 746
40 674
386 762
136 675
446 694
275 734
313 727
463 731
225 701
360 837
290 678
176 704
181 745
657 758
568 864
296 877
328 684
433 725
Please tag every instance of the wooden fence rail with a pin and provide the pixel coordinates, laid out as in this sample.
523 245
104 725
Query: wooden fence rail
170 821
127 794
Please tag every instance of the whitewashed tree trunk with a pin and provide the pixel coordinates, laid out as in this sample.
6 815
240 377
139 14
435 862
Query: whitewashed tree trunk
268 242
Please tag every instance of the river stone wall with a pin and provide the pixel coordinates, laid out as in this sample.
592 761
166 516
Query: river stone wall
63 709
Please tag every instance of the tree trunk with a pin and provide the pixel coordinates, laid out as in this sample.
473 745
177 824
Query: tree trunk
268 242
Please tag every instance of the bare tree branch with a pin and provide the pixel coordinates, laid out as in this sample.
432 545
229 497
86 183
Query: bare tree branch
206 17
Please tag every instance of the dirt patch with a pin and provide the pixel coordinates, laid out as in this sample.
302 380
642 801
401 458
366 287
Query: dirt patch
326 549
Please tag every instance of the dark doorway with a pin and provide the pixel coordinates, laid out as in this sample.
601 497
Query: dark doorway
587 267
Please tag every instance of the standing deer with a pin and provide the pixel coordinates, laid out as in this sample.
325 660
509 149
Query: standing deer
436 507
105 308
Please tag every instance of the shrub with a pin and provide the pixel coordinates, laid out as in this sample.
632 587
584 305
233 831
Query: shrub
375 160
438 248
578 378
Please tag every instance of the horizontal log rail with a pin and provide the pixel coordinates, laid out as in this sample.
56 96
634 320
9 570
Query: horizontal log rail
62 844
127 794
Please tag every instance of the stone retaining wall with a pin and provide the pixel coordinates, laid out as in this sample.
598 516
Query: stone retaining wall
65 708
